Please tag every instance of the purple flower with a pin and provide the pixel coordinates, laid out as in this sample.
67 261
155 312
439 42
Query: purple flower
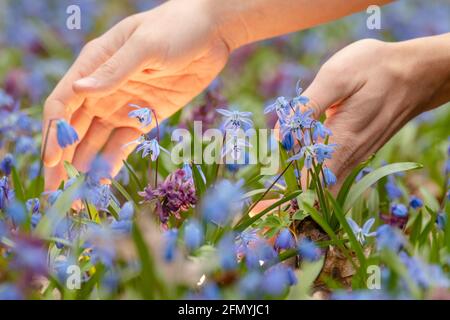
175 195
308 250
65 133
143 115
415 202
7 163
399 210
193 235
285 239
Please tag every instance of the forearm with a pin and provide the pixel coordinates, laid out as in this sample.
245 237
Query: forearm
245 21
429 69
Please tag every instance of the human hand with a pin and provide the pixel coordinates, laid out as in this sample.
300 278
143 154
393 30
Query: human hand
370 89
161 58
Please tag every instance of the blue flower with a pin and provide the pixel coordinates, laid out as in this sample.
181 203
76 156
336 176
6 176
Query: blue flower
250 284
362 233
143 115
149 147
260 254
33 205
319 130
308 250
6 194
389 238
285 239
7 163
53 196
441 220
299 99
415 202
281 106
399 210
9 291
16 211
276 280
125 223
287 141
365 171
65 133
330 178
296 123
26 145
99 169
170 248
227 252
222 203
392 190
234 146
235 119
323 151
193 235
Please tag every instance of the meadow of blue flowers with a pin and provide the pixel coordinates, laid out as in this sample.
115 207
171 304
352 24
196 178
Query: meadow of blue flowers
161 231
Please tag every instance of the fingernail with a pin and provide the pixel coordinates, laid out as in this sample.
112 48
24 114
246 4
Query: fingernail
87 82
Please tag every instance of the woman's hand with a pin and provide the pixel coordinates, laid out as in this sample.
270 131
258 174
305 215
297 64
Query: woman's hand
161 58
370 89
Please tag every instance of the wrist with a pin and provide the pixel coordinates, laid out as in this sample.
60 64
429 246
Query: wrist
427 66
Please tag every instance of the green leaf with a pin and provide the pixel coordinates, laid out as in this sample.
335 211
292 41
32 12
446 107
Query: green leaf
122 191
72 172
248 221
345 189
343 222
289 175
133 175
18 188
358 189
200 187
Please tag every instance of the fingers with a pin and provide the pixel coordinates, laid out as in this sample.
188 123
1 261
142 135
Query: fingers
328 89
91 145
117 149
114 72
54 176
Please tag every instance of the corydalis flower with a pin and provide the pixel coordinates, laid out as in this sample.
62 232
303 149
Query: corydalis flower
235 119
362 233
65 133
143 115
176 194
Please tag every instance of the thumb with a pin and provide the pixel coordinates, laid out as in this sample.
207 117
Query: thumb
113 73
329 88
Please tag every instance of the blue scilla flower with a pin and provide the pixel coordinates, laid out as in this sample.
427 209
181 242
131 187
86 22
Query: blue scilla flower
99 169
30 256
33 170
235 119
6 194
285 239
26 145
260 254
323 151
276 280
308 250
125 223
149 147
188 171
227 252
299 99
362 233
281 106
235 148
170 244
7 163
296 123
287 141
65 133
10 291
329 177
143 115
392 190
319 130
246 238
415 202
222 203
53 196
389 238
17 213
250 285
33 205
399 210
193 235
441 220
365 171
